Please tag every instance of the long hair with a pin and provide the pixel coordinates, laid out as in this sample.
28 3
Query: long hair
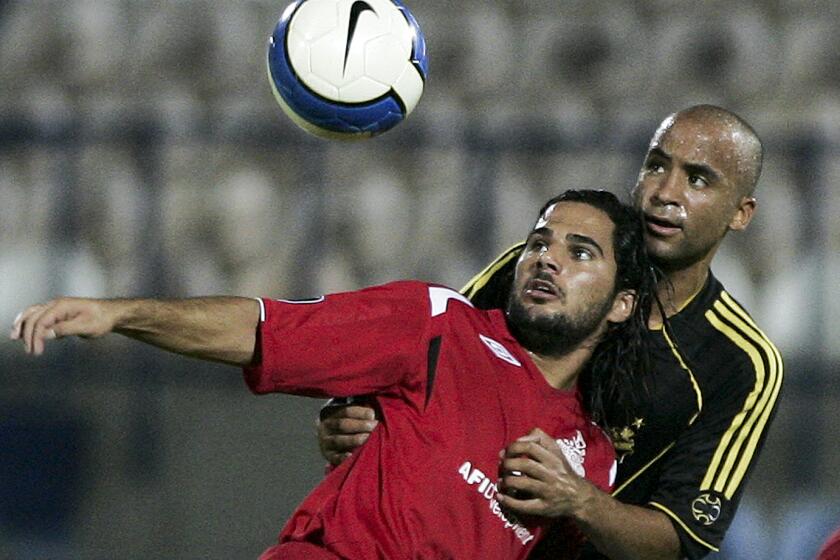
613 379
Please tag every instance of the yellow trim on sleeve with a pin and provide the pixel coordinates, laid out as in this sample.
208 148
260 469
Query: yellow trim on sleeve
723 475
643 469
690 375
679 521
769 399
697 392
479 280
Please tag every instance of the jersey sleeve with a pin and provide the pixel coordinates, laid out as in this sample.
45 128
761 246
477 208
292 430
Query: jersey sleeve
342 344
703 476
831 548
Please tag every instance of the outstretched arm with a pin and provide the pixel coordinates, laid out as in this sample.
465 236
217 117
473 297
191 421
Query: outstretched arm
221 329
545 485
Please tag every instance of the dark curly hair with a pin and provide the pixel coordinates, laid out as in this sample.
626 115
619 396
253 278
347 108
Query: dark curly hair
614 375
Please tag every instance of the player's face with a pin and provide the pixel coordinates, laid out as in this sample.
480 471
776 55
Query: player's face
688 192
564 284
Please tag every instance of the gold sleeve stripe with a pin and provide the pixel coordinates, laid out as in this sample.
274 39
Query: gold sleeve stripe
723 475
691 377
643 469
712 478
673 516
776 368
761 415
479 280
733 305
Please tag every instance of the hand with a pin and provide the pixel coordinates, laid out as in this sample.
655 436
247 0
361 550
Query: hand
537 479
58 318
342 429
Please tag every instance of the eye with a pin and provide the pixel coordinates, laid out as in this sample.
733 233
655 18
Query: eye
655 167
582 254
536 244
698 181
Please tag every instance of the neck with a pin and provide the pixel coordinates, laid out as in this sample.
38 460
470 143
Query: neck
562 372
678 287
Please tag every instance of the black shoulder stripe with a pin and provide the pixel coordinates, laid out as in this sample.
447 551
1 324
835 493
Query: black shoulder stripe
431 368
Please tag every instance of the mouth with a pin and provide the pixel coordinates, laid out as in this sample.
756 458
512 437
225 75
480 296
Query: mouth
661 226
540 289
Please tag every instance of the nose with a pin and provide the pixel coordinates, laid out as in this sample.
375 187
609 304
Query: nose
666 190
546 261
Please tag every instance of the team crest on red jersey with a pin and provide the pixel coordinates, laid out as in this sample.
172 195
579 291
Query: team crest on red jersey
499 350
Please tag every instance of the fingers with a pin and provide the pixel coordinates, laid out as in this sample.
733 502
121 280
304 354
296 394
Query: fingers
348 421
540 437
534 459
356 412
15 334
520 486
333 458
32 329
522 506
38 323
22 318
344 443
344 430
346 426
536 477
336 449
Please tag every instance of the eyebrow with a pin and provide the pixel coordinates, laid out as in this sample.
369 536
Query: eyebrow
578 238
585 240
691 168
540 232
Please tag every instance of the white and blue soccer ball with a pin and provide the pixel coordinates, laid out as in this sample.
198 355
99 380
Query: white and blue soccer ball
347 68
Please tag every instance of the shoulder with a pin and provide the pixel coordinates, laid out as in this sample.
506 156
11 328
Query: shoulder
436 301
415 289
723 344
746 348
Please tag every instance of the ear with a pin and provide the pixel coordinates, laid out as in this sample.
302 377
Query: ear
743 214
622 307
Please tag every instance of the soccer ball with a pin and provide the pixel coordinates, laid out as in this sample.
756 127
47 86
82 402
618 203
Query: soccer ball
347 68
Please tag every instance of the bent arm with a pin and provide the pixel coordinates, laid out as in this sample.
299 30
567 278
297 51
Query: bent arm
537 480
623 532
221 329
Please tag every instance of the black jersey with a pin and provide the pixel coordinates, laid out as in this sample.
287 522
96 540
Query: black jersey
687 450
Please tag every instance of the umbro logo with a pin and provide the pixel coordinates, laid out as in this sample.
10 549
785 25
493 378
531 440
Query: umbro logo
499 350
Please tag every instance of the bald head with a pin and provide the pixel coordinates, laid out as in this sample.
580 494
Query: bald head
734 134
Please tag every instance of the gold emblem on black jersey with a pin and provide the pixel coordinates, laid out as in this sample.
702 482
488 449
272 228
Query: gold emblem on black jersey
706 508
623 439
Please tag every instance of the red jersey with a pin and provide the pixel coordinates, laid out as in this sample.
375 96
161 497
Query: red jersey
453 387
831 549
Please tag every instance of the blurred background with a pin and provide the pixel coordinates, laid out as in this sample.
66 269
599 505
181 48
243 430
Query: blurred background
142 153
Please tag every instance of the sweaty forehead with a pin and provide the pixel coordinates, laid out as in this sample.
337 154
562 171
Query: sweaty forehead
716 143
579 218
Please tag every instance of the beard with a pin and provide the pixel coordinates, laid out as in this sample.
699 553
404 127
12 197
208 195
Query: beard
552 335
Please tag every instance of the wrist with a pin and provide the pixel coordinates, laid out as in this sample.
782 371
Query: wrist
593 505
123 315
